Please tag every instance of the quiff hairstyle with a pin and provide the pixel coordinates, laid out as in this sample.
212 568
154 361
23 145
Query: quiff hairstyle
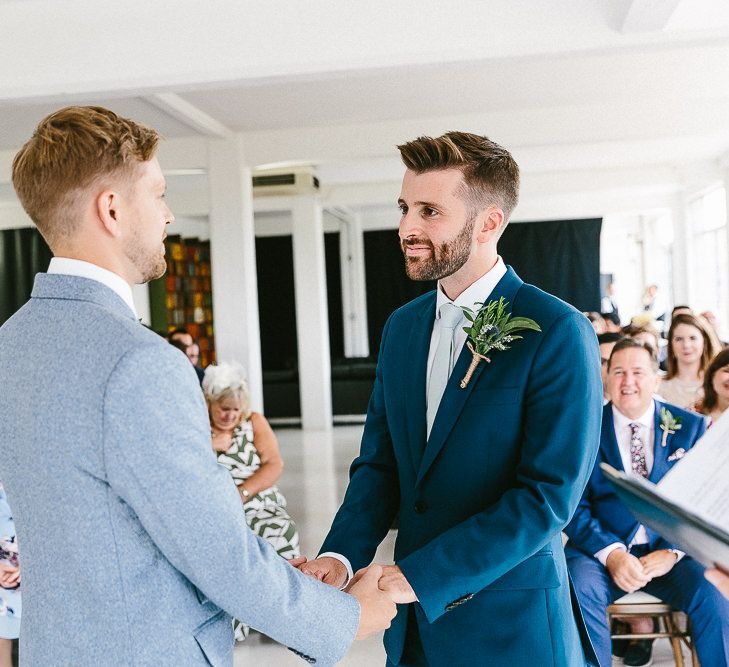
711 342
490 174
69 151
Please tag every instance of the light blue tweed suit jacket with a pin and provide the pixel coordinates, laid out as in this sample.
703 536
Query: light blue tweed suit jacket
133 544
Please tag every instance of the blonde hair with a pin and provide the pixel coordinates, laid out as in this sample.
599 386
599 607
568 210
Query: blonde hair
490 173
69 150
227 380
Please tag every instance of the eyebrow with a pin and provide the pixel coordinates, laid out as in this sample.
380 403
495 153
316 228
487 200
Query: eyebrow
422 203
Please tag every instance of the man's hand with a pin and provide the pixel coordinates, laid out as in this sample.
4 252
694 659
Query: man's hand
327 569
626 571
394 582
719 579
658 563
377 608
297 562
9 576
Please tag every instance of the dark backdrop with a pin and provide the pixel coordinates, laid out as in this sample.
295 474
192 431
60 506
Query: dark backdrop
561 257
23 253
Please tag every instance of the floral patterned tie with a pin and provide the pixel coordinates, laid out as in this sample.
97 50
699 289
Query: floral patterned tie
637 451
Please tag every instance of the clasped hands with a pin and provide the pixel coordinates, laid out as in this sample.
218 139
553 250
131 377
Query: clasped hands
631 573
378 588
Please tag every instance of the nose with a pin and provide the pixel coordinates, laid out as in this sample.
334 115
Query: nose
407 226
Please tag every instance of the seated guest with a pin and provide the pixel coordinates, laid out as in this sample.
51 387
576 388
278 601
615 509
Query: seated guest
597 321
606 342
182 339
716 388
609 553
247 447
9 583
691 346
612 322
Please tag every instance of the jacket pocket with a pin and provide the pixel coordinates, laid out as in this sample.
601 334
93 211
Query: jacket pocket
215 639
495 395
537 571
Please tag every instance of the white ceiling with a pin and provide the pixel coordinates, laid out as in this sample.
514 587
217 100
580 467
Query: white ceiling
632 93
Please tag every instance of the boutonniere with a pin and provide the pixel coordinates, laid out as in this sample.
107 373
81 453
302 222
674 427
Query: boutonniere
492 328
669 425
678 454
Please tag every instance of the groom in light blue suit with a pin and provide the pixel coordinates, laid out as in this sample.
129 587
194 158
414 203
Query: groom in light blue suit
133 541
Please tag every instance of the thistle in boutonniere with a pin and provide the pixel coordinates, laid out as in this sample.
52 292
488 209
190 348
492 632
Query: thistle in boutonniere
492 328
669 425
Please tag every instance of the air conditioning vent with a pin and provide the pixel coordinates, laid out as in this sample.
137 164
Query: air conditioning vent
285 182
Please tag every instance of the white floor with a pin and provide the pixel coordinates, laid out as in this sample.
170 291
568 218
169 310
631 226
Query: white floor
314 482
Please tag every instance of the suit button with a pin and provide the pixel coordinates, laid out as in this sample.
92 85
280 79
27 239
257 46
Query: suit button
420 507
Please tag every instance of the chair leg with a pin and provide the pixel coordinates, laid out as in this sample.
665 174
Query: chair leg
675 641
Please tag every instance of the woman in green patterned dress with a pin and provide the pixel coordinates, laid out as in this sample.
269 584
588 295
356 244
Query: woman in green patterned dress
246 445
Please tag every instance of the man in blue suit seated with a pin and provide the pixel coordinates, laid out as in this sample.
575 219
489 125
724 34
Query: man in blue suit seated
485 471
609 553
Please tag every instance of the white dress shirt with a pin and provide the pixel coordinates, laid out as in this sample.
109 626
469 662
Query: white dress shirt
477 293
77 267
623 433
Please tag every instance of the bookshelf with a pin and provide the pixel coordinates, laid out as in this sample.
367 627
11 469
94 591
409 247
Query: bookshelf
183 297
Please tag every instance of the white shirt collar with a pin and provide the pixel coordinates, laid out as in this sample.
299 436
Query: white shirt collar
476 293
77 267
646 419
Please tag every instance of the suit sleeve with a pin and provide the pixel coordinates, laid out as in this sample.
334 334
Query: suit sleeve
159 461
561 428
373 495
585 531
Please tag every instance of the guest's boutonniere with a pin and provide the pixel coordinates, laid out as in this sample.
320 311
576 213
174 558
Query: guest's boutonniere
677 455
669 425
492 328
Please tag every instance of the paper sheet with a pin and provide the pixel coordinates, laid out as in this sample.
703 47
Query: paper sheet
700 480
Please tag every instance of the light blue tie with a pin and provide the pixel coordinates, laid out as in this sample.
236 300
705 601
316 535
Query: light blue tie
450 316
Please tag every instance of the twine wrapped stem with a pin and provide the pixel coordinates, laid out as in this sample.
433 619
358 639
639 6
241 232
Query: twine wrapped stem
474 362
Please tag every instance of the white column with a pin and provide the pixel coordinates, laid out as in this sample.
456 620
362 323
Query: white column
682 241
233 262
312 319
354 288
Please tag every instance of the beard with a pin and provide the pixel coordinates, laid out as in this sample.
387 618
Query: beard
442 261
150 264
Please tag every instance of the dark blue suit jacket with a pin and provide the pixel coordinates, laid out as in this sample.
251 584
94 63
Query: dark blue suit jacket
483 501
601 518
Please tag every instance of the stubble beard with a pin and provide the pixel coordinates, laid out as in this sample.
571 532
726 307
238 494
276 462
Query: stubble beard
150 265
449 257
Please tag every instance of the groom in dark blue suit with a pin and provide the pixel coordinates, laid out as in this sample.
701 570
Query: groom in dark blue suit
609 553
484 473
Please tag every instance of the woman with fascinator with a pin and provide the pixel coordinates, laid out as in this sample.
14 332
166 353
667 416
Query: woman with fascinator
247 446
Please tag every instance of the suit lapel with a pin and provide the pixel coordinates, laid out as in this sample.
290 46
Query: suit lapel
415 400
454 398
610 440
660 454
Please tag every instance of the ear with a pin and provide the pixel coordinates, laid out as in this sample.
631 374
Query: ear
108 204
491 224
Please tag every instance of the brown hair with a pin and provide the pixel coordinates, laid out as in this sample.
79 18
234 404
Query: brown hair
633 330
711 343
633 344
69 150
490 174
710 399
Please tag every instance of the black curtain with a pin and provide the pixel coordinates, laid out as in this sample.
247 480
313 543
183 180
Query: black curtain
388 287
277 305
561 257
334 294
23 253
276 302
